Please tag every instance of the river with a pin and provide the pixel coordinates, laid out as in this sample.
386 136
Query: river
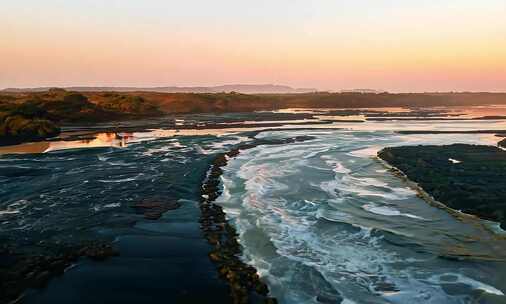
322 220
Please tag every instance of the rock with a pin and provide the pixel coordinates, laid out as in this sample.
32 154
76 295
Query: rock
153 210
153 215
329 300
35 270
58 267
261 288
243 280
40 279
215 256
99 252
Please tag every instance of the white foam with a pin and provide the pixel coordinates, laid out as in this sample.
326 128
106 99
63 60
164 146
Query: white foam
121 180
337 167
388 211
4 212
171 145
459 278
97 208
348 185
112 205
219 145
366 152
202 150
15 207
258 195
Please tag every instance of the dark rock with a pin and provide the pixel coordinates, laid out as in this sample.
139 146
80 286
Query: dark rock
35 270
40 280
58 267
261 288
329 299
98 252
153 210
243 280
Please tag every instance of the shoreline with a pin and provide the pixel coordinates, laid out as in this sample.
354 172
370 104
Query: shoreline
490 226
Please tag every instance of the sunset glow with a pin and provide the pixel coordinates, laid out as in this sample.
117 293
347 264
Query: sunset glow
330 45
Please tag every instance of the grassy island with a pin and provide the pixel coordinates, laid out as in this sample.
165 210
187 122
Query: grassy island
469 178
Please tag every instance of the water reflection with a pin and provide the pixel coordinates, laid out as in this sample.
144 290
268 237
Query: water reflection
477 111
105 139
74 140
99 140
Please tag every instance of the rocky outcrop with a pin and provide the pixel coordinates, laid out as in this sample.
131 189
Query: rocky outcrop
153 210
243 280
19 270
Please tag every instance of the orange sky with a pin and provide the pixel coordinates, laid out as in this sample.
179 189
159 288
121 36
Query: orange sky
393 45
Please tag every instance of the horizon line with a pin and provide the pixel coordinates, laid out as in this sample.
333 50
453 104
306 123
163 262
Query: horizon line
316 90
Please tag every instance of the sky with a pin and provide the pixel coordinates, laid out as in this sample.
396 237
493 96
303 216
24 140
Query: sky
394 45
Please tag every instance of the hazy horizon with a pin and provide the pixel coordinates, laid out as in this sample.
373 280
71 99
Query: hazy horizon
342 90
396 46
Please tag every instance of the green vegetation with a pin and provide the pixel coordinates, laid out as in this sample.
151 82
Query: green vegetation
16 128
464 177
25 122
128 104
60 107
36 116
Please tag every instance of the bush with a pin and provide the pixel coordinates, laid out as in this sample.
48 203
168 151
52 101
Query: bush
18 128
129 104
75 101
29 110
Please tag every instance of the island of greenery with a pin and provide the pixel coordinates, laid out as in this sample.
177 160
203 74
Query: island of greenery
469 178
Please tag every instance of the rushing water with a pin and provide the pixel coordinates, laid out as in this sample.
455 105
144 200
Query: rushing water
322 220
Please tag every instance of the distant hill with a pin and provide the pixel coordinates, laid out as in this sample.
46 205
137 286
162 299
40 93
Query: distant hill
364 91
261 89
240 88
